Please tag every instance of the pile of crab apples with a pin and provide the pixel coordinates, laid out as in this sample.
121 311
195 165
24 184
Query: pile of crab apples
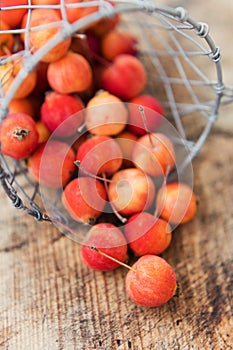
83 123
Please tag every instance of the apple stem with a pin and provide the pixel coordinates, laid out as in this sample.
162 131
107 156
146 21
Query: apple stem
142 111
81 128
96 177
113 259
21 133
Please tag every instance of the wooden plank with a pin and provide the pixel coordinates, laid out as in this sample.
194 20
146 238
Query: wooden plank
49 300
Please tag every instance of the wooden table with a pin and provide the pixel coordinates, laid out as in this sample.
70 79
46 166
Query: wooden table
50 300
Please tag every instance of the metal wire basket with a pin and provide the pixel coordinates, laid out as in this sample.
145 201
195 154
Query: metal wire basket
182 61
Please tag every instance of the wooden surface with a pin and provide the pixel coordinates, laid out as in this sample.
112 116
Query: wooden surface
49 300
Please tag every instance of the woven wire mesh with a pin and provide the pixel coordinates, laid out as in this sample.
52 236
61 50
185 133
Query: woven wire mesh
183 66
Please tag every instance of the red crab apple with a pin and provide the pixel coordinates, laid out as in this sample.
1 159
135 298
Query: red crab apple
99 154
147 234
131 191
109 240
61 113
18 135
176 203
154 153
52 164
153 114
125 77
72 73
105 114
84 198
151 281
117 42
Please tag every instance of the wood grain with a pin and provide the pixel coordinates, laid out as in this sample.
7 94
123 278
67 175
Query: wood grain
49 300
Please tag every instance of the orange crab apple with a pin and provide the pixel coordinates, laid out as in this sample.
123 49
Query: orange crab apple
131 191
125 77
45 2
13 17
106 114
151 281
39 37
147 234
154 153
43 131
104 25
117 42
22 105
176 203
126 141
9 71
72 73
79 10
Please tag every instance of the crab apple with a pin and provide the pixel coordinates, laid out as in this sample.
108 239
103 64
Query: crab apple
100 154
110 240
147 234
126 141
42 82
18 135
52 164
72 73
176 203
45 2
39 37
153 114
125 77
43 131
84 198
22 105
105 114
154 153
6 40
104 25
86 44
9 71
131 191
62 113
79 141
12 17
74 13
151 281
116 42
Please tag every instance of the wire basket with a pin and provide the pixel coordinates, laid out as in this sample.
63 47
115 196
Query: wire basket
182 61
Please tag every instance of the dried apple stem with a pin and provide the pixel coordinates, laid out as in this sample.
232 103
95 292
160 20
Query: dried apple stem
113 259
